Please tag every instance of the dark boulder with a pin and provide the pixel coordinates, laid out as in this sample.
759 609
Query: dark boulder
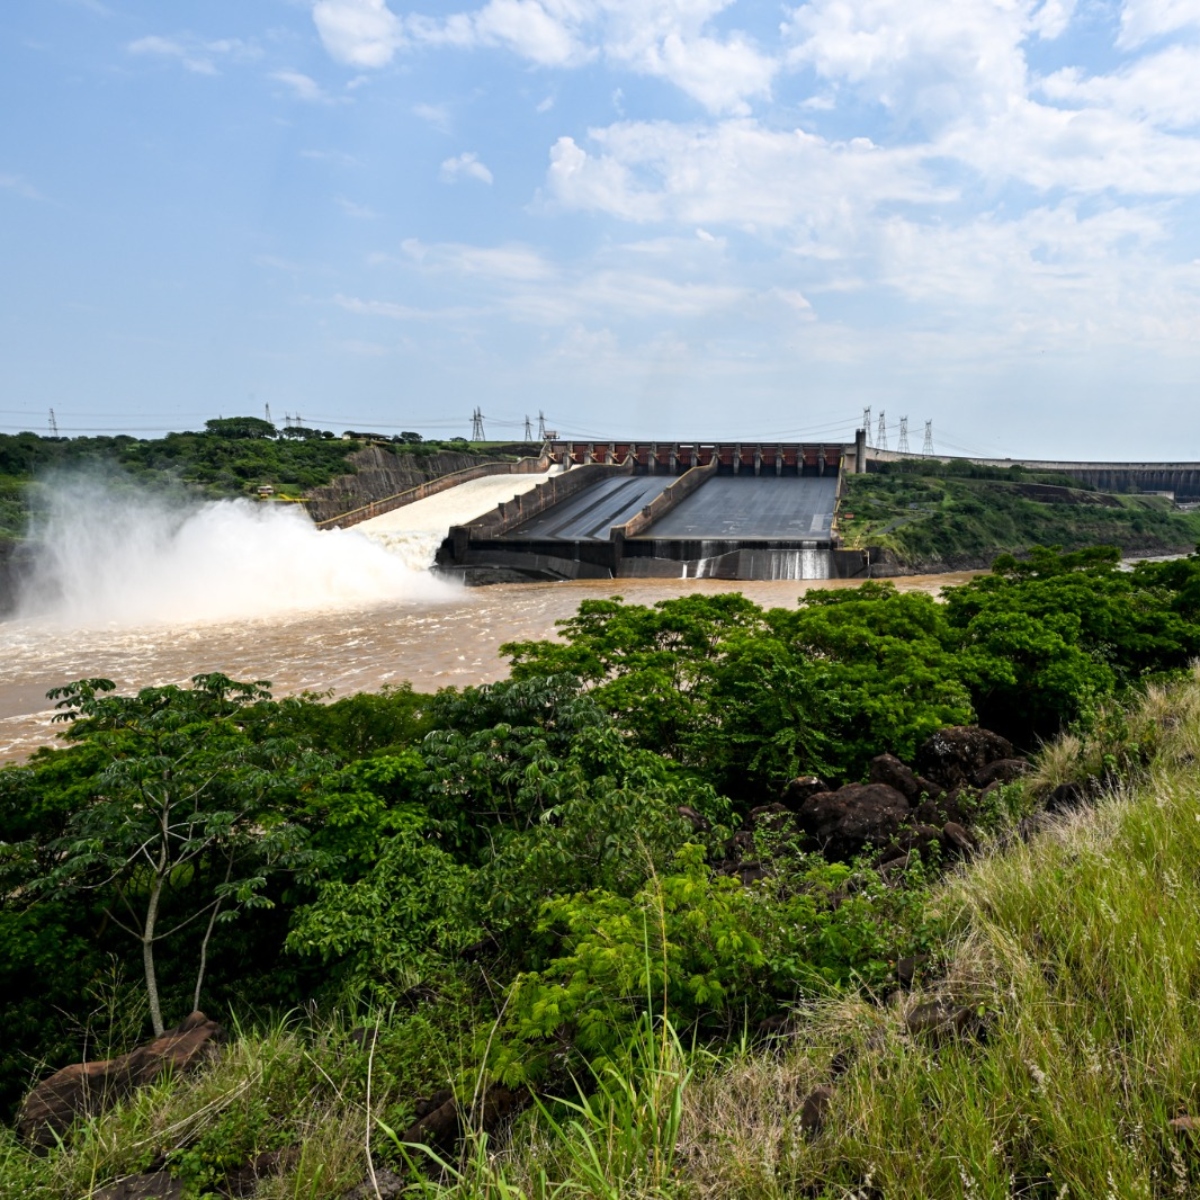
386 1185
439 1125
917 838
887 768
155 1186
699 822
243 1181
952 755
771 818
799 790
909 967
87 1089
958 840
937 1021
1066 797
857 817
814 1109
1003 770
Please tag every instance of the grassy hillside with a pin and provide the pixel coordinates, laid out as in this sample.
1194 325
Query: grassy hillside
928 513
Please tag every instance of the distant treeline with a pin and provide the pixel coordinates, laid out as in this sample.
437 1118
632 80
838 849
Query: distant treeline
231 456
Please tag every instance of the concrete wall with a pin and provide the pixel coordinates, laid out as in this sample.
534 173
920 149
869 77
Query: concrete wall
669 498
431 487
380 475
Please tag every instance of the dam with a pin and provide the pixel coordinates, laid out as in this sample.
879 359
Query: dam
681 510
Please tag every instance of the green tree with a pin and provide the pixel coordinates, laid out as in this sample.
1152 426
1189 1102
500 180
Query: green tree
186 820
240 427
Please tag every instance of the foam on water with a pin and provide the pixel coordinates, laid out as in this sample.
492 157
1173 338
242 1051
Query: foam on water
117 556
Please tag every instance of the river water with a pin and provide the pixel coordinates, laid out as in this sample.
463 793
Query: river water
437 636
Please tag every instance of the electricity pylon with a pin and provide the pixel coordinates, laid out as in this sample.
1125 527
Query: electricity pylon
928 447
903 444
881 434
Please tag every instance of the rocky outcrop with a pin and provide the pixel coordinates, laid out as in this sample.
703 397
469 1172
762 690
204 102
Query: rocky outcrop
952 756
380 473
855 818
87 1089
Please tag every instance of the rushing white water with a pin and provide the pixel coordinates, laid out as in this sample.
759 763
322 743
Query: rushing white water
118 556
415 531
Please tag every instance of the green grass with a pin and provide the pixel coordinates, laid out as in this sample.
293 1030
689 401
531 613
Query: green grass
942 518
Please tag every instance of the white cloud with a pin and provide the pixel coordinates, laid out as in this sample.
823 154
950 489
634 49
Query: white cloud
195 54
1142 20
1159 88
360 212
359 33
301 86
465 166
670 41
21 186
437 115
512 262
735 172
400 312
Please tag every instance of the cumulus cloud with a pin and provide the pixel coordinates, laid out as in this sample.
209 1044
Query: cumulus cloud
359 33
465 166
1142 20
672 41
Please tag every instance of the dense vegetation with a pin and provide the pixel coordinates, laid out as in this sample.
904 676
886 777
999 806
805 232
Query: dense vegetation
232 456
962 514
519 882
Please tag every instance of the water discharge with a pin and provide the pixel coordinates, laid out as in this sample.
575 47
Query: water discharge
108 556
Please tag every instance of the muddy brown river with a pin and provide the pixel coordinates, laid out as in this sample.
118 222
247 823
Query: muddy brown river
448 636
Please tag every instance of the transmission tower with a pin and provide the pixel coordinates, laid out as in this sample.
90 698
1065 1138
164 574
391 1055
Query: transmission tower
928 447
477 426
267 410
903 444
867 421
881 433
541 426
53 425
528 429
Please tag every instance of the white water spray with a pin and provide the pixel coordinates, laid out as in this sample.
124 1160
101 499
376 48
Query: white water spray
119 556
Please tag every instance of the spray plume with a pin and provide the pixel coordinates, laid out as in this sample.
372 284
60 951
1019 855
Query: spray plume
111 554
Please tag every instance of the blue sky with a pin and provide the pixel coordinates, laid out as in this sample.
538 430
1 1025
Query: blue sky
682 218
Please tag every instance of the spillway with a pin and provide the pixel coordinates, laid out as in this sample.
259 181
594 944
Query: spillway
415 531
706 514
